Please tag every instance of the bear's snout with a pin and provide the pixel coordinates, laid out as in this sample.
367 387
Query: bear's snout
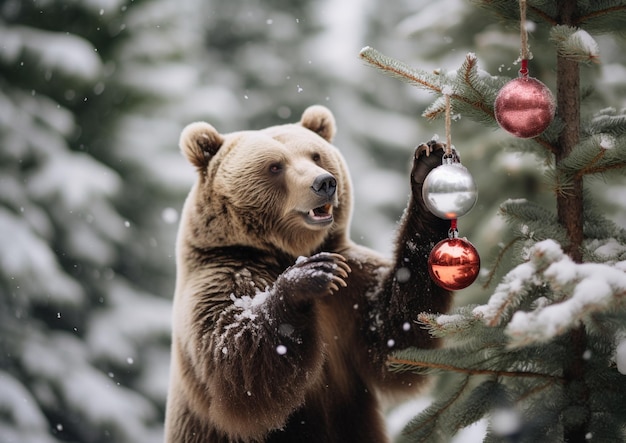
324 185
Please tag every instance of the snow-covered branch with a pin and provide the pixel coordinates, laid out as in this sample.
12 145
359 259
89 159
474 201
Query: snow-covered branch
576 292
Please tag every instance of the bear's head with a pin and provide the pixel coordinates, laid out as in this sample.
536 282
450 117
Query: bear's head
284 187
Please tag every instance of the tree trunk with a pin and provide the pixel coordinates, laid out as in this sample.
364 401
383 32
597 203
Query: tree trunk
569 201
570 214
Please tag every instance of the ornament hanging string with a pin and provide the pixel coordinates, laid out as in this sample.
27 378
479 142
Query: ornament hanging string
453 263
523 72
448 125
524 106
453 232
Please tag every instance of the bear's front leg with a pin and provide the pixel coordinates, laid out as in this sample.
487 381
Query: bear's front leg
407 289
268 354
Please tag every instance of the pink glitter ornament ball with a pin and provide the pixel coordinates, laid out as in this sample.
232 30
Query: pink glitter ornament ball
524 107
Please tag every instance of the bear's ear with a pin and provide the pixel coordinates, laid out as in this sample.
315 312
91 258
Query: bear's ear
320 120
199 142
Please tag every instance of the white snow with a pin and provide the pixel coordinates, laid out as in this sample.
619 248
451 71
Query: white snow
432 18
130 319
65 53
607 141
447 90
76 178
247 303
580 290
507 293
62 360
169 215
446 319
102 6
400 416
19 406
171 80
403 274
505 421
27 258
582 39
336 17
609 249
120 330
544 324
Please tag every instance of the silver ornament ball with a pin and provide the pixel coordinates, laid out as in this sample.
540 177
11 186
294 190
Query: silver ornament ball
449 191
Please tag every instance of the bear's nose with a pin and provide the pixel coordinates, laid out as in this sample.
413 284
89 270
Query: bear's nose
324 185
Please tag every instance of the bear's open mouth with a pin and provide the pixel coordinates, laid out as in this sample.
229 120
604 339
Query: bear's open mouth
321 215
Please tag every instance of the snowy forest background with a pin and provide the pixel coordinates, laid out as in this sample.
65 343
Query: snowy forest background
93 96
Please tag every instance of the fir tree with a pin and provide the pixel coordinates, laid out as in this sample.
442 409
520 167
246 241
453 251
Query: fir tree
544 357
93 96
85 259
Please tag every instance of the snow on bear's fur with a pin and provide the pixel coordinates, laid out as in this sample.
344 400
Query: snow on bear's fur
282 325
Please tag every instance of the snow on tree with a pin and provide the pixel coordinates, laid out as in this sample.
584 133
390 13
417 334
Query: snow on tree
93 96
85 258
543 358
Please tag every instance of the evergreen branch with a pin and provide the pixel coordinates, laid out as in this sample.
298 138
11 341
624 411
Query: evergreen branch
537 223
469 73
399 69
498 260
586 170
469 371
476 98
590 288
432 415
437 108
575 44
541 14
534 222
478 403
428 81
602 169
600 13
442 325
519 285
607 121
510 10
536 389
598 153
546 144
509 294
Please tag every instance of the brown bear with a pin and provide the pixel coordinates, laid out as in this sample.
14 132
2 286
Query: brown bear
282 325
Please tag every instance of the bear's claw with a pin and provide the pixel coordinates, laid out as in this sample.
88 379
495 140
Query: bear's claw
424 162
321 274
427 148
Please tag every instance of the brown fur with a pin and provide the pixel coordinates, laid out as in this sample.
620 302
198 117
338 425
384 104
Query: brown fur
268 348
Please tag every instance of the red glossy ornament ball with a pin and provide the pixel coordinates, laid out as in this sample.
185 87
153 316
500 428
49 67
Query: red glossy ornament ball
454 264
524 107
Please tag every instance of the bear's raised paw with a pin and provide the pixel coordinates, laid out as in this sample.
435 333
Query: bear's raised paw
318 275
427 157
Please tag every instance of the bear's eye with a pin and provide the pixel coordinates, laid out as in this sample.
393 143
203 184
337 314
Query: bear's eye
275 168
316 157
